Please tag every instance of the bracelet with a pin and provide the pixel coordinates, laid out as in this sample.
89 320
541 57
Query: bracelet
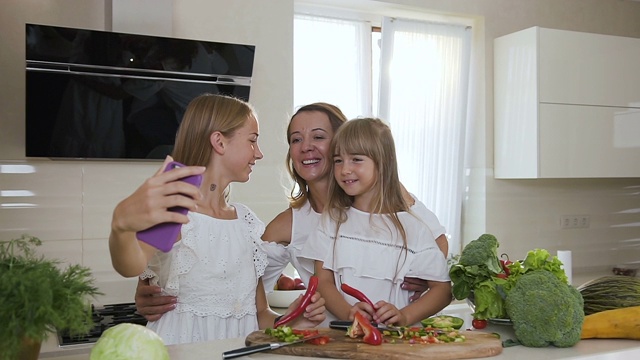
277 319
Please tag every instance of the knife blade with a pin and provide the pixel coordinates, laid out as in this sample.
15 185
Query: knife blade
262 347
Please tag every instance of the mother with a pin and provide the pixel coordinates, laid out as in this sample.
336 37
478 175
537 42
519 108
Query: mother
309 161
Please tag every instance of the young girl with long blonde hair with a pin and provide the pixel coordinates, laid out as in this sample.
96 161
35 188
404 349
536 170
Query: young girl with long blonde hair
369 238
217 261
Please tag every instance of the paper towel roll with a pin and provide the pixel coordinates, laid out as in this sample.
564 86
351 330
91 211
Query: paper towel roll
565 257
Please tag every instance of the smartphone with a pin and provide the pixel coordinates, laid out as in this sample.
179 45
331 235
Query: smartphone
163 236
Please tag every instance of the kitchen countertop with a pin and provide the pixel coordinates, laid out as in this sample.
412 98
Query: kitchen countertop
601 349
604 349
586 350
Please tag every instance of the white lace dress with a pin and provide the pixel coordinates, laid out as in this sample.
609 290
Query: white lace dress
213 270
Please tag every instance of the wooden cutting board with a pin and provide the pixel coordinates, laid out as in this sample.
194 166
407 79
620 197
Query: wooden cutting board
476 345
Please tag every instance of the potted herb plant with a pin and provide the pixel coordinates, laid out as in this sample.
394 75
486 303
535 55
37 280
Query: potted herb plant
38 297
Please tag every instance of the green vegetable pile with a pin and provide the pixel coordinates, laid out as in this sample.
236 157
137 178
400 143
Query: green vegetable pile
284 333
534 293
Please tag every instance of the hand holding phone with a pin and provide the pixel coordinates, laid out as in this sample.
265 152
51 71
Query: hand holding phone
162 236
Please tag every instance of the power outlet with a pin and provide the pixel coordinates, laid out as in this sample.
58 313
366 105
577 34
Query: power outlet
574 221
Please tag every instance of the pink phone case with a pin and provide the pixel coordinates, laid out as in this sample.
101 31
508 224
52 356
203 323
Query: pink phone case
163 236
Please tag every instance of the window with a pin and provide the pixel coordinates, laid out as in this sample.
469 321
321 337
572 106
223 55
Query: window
412 74
332 63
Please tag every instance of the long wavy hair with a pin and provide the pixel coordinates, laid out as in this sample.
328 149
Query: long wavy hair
300 192
372 138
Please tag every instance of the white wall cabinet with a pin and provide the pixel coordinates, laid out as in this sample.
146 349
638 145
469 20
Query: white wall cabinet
566 105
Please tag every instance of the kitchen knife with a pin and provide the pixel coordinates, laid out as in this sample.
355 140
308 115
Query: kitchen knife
262 347
343 325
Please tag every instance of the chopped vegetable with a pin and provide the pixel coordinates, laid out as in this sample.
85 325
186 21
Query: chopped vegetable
362 327
286 333
426 335
443 322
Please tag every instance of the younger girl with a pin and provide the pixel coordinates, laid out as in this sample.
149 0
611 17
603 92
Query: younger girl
369 238
215 265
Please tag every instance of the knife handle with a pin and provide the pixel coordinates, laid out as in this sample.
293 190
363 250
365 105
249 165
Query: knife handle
245 351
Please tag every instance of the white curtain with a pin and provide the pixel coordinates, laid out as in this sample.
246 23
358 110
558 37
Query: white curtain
424 81
332 63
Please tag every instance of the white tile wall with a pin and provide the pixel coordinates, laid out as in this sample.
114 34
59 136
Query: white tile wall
525 214
68 206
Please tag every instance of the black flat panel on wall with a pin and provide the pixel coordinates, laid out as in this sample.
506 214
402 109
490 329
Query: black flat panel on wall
104 95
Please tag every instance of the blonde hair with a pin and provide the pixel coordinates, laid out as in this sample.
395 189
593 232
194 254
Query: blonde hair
205 115
300 192
372 138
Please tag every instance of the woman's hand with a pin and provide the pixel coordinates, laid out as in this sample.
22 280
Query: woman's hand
313 314
149 204
415 284
150 303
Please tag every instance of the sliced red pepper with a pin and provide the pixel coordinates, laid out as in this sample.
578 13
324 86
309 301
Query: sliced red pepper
305 332
362 326
306 300
356 294
322 340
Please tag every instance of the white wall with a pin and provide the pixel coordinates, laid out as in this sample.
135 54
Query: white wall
72 200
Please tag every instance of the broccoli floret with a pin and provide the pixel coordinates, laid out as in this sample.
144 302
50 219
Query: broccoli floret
482 251
545 311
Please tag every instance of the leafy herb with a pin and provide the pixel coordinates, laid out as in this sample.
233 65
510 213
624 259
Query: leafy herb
37 297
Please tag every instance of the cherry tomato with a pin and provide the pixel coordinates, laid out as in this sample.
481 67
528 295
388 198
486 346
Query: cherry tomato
479 324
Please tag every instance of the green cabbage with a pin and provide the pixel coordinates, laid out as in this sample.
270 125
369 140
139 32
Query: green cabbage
129 342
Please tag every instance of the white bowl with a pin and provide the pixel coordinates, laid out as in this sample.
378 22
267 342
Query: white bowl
283 298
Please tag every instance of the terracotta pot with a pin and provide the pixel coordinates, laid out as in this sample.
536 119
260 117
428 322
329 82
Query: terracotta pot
30 349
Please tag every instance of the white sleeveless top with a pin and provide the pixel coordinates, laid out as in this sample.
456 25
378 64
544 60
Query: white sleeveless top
304 221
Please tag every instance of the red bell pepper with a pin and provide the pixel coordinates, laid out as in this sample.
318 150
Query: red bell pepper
362 326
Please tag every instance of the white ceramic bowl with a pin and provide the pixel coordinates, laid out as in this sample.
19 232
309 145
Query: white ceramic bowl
283 298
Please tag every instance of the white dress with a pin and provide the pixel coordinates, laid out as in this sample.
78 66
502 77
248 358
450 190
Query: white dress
304 222
213 270
369 255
